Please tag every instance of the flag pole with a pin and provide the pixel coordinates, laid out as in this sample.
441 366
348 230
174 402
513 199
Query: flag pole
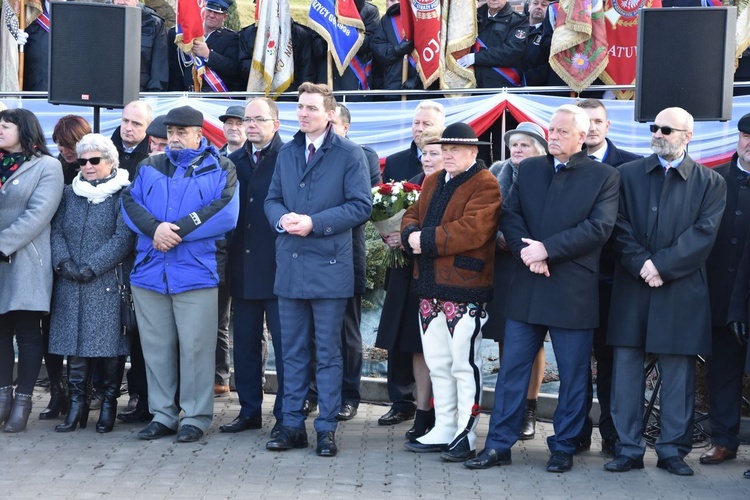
330 68
404 73
22 26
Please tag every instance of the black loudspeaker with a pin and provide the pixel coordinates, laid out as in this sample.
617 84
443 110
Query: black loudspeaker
685 59
94 54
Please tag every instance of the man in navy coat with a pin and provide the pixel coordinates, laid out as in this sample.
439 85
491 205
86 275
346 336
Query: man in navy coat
559 214
252 264
319 192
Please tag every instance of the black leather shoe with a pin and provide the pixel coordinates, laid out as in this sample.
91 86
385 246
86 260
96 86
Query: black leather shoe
155 430
395 416
459 452
347 412
746 475
528 427
608 447
326 444
276 428
489 457
189 434
309 408
242 423
135 416
560 462
624 464
289 437
675 465
418 447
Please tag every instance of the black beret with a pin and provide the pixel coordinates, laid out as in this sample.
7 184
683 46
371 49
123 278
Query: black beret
157 128
744 124
184 116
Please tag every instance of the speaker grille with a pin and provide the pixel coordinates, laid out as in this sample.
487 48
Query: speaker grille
685 60
94 54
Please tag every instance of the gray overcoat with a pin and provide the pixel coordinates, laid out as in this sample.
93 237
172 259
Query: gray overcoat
86 316
28 200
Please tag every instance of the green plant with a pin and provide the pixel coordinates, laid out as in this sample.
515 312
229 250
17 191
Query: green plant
375 269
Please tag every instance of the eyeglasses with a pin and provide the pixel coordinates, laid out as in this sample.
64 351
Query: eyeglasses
666 130
257 119
94 161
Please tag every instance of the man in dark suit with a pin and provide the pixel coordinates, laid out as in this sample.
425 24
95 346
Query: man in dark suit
725 365
252 260
558 216
322 195
670 211
403 166
219 52
602 150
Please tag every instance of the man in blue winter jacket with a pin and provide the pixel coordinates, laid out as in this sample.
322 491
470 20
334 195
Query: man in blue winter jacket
181 205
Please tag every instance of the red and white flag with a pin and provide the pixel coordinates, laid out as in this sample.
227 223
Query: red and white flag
273 62
420 22
622 37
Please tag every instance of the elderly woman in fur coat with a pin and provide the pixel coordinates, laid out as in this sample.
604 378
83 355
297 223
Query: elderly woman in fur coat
89 239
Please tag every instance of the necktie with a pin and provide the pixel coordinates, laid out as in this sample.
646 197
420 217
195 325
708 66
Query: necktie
257 157
666 168
311 153
592 157
560 166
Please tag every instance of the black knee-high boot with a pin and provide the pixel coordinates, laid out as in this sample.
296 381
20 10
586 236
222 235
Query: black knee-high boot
79 370
59 400
111 376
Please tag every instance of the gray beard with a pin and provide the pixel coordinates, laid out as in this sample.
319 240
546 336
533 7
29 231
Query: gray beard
661 147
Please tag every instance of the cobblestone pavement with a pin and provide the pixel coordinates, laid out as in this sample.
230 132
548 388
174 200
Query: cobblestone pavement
372 463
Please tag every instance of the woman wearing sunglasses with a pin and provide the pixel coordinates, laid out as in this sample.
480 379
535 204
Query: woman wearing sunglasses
89 239
31 183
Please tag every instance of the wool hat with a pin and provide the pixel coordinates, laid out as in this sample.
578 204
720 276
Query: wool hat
233 112
221 6
184 116
527 128
744 124
157 128
461 134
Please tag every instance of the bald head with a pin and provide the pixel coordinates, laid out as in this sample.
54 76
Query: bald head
679 123
136 117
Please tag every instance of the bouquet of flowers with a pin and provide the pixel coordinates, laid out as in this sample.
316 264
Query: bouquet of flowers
389 203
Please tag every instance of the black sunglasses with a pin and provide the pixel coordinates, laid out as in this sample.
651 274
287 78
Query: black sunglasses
666 130
94 161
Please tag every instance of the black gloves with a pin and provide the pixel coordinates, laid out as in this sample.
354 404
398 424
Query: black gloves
739 330
412 83
404 47
86 275
69 270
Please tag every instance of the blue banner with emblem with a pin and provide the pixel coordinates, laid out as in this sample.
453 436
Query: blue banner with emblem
344 35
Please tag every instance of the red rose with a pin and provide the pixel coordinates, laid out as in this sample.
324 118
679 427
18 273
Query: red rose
411 187
386 189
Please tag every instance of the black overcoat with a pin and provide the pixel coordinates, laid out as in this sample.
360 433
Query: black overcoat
673 221
252 251
572 212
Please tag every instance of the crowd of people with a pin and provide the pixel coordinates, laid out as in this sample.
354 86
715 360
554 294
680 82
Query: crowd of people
570 238
512 50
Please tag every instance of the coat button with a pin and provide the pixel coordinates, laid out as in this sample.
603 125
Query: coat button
738 212
294 255
653 209
733 241
329 230
106 289
302 184
250 200
248 226
247 251
333 261
731 269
